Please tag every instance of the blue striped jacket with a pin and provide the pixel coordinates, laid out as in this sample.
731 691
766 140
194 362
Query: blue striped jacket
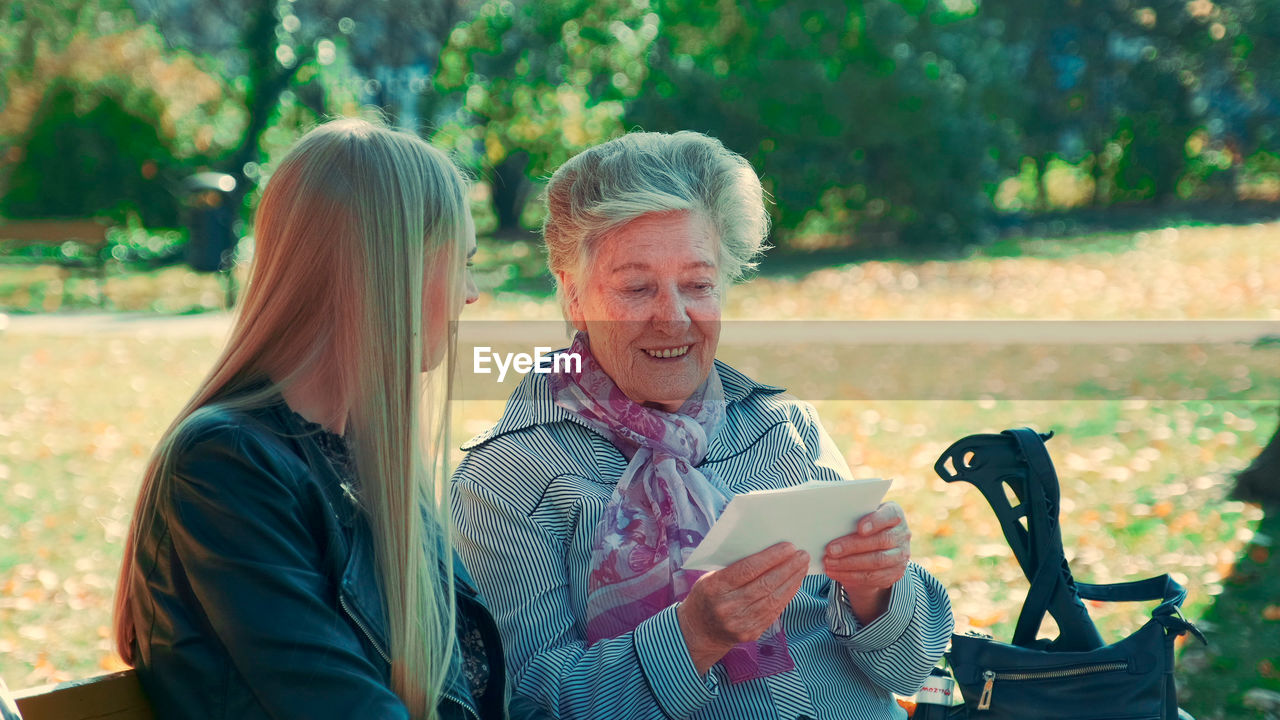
527 498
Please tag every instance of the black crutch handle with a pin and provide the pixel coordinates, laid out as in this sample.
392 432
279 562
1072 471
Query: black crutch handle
1017 460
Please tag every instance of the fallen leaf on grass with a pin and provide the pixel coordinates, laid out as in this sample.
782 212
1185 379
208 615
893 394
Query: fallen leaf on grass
111 662
1271 612
987 619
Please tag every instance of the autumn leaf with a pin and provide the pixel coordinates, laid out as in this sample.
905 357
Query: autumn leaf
111 662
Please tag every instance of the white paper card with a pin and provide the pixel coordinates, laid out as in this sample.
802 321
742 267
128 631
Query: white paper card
808 515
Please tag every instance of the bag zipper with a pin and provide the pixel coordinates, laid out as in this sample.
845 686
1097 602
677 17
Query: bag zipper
990 677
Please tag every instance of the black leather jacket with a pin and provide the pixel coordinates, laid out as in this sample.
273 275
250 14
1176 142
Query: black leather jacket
255 594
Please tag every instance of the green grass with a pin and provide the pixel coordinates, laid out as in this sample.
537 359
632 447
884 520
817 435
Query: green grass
1060 248
1144 482
1243 626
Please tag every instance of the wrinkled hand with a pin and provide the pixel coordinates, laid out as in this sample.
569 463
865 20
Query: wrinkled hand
738 603
868 561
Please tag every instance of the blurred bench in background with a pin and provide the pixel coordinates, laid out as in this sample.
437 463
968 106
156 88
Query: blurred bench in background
77 246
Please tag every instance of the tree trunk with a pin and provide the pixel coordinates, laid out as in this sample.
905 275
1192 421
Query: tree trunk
266 82
25 63
510 190
1170 152
1042 190
1096 172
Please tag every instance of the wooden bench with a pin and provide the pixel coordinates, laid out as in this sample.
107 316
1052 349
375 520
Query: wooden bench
117 696
79 246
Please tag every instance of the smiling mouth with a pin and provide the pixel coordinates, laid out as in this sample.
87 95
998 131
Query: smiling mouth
669 352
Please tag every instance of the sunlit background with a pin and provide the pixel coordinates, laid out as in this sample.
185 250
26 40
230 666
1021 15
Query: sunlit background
925 159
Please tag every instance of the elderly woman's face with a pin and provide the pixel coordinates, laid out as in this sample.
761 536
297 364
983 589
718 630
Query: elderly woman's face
651 306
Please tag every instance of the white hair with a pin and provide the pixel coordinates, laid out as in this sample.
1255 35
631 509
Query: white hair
607 186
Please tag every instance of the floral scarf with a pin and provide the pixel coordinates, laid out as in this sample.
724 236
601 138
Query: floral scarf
660 511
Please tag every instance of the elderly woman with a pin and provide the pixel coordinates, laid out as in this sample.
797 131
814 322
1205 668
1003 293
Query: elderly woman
575 512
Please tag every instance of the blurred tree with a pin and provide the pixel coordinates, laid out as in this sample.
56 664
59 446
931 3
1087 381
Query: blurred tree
1153 96
31 29
869 116
884 118
536 83
1236 93
89 155
271 48
30 33
896 118
1102 81
101 87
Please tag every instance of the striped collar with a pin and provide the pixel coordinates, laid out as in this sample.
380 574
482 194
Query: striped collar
531 404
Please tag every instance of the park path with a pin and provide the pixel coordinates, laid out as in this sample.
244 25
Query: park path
77 324
856 332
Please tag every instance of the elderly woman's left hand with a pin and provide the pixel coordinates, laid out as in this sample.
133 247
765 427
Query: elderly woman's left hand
868 561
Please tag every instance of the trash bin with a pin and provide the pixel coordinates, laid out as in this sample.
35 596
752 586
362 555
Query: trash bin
210 221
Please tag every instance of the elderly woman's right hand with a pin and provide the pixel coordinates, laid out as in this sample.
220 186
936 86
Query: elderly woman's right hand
738 603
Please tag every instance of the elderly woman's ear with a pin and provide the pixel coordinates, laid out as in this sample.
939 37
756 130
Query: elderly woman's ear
572 299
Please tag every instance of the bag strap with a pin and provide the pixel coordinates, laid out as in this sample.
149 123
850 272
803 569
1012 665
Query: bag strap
1053 589
1162 587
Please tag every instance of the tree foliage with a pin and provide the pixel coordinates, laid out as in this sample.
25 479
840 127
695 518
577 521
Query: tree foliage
103 122
89 155
854 113
883 118
536 83
869 120
275 53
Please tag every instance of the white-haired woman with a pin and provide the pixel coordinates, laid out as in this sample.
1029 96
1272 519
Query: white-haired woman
289 554
575 512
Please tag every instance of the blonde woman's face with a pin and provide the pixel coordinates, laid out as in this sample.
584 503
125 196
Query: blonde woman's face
441 308
470 293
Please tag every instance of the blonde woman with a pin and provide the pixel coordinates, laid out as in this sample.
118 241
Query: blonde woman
289 555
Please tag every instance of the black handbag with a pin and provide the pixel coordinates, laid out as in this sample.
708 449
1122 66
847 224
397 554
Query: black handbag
1075 676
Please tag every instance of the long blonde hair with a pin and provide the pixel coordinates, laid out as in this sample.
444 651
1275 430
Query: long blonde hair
348 226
